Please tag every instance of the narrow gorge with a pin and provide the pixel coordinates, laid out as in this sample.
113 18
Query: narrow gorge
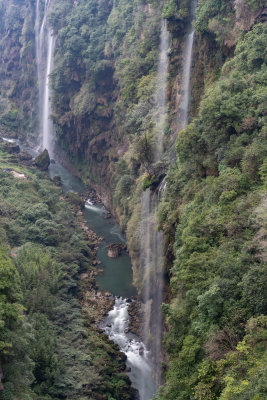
133 200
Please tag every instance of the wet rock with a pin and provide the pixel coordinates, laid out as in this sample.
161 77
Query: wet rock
115 249
107 216
11 148
136 313
43 160
57 180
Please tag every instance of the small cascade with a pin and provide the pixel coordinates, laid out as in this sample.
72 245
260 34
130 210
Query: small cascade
138 361
45 44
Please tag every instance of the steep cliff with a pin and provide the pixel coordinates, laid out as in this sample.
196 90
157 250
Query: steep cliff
17 69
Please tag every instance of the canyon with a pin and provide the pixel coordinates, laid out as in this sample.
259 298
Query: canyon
160 109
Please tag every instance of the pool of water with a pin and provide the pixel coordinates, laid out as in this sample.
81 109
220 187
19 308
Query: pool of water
117 274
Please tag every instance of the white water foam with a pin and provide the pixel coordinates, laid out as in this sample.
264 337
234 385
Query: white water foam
116 326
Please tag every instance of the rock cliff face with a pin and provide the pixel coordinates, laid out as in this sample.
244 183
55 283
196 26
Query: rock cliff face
18 95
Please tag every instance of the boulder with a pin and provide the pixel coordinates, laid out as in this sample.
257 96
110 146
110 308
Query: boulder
115 249
43 160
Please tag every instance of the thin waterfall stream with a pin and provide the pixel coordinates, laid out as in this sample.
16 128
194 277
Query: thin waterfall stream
186 74
151 243
45 45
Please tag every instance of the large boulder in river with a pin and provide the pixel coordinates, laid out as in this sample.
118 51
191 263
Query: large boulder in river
115 249
43 160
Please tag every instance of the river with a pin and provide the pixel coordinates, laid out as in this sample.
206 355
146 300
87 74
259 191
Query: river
116 278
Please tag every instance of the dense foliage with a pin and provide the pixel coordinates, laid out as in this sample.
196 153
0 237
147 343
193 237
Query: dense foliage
104 78
17 67
216 203
49 346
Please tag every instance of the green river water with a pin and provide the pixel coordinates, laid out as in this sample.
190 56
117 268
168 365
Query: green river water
117 272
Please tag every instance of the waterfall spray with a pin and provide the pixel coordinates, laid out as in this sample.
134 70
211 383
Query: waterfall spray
45 44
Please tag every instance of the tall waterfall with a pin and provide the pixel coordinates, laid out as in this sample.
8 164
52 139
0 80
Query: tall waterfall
151 246
45 44
152 265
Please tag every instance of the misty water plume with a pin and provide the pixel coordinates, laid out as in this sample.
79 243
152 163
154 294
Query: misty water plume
45 45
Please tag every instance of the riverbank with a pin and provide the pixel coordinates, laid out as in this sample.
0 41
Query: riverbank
55 284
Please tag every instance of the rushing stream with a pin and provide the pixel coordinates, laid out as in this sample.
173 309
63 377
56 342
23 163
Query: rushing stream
117 279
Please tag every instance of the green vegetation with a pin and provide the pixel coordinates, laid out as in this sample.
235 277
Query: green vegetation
177 9
215 202
50 347
213 215
17 67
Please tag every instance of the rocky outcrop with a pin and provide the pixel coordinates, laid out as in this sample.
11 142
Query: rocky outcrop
43 160
245 16
11 148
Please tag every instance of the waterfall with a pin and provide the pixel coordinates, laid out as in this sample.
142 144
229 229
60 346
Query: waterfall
151 245
186 74
160 93
47 125
45 44
152 265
